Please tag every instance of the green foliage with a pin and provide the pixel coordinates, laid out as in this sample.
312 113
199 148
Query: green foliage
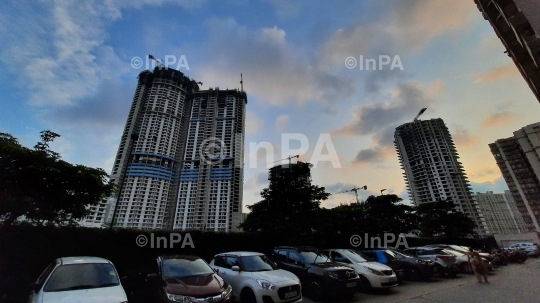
441 218
36 184
289 199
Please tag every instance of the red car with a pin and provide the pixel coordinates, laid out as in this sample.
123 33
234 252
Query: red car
183 278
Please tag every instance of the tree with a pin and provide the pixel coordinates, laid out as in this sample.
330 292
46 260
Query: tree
288 203
441 218
45 189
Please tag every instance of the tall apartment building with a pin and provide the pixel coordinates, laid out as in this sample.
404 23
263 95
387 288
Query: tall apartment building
185 169
518 157
432 171
517 24
500 212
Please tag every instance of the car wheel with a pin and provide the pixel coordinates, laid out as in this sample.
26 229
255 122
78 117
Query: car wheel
451 273
414 274
315 290
247 296
466 268
364 285
441 271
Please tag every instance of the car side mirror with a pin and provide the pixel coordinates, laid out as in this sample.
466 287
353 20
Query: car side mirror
216 270
235 268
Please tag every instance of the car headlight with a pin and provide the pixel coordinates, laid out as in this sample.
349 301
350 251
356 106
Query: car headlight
333 275
373 271
266 284
179 298
227 292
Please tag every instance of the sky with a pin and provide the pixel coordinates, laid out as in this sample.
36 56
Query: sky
66 66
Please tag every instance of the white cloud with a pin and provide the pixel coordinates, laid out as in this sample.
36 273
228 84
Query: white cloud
274 71
281 123
253 122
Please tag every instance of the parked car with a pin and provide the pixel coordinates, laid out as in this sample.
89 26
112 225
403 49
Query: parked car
463 261
78 280
372 274
462 249
445 262
403 264
256 279
319 275
182 278
530 248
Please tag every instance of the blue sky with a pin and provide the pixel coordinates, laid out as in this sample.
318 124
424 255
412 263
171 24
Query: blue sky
65 66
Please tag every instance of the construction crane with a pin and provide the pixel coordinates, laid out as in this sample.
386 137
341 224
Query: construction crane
355 190
153 58
288 158
419 114
241 83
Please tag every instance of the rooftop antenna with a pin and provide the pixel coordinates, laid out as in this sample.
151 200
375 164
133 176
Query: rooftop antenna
241 83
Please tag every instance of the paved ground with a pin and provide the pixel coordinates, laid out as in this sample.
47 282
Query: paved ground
512 283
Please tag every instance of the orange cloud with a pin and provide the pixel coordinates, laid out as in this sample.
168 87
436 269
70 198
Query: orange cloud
500 119
500 73
464 139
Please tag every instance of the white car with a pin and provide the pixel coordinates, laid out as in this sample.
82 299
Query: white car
528 247
372 274
78 280
447 262
255 278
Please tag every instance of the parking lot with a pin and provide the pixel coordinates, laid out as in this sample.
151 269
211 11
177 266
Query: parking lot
511 283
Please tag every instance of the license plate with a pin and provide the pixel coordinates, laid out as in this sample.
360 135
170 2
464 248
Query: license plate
291 294
352 284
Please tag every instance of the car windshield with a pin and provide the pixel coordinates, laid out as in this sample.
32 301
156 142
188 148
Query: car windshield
81 276
181 268
314 257
257 263
458 248
355 257
402 254
453 252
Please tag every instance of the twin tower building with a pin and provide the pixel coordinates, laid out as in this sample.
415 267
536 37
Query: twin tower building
180 160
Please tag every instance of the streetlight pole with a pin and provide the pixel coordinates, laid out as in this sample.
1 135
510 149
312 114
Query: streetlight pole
382 191
134 138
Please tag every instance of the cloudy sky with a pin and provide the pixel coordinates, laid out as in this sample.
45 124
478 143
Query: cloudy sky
66 66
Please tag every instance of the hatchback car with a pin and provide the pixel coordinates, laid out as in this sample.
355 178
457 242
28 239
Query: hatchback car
446 262
256 279
182 278
319 275
372 274
403 264
78 280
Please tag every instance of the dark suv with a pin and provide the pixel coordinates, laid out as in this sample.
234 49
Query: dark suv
318 274
403 264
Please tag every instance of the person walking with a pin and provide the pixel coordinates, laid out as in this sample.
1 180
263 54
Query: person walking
478 266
